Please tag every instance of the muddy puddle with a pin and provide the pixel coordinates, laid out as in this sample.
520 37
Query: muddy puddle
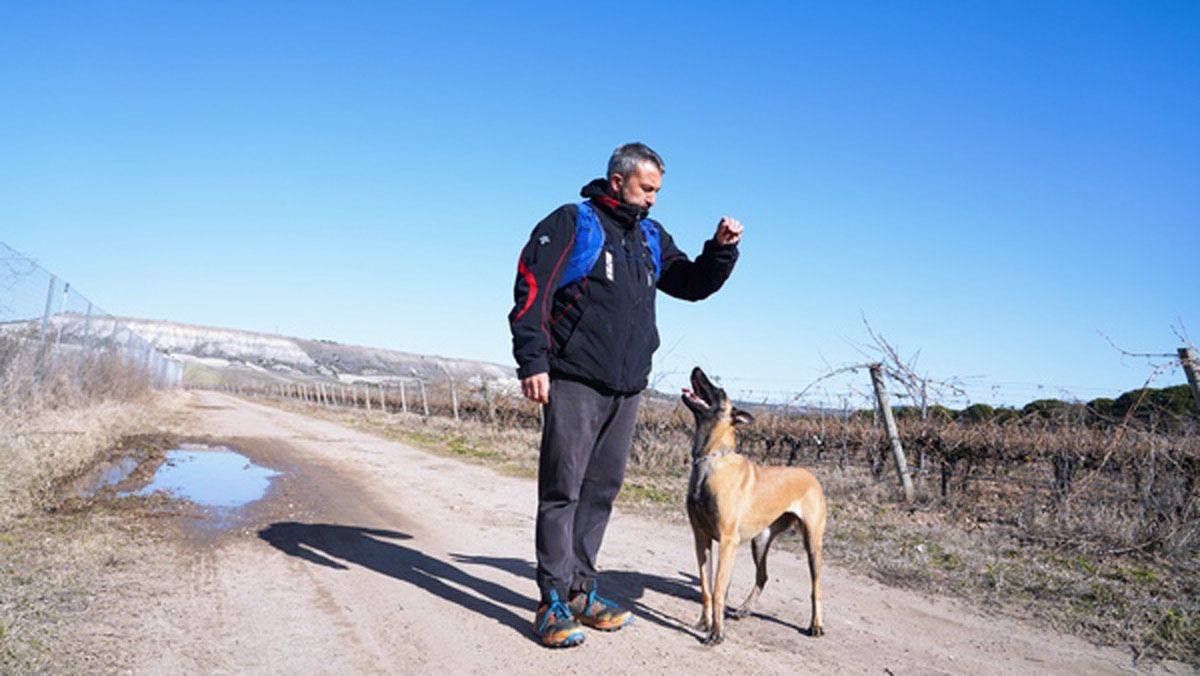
108 475
217 479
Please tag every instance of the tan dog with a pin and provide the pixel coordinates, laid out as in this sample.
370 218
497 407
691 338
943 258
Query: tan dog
731 500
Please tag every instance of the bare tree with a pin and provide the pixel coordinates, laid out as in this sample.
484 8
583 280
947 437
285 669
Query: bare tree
920 388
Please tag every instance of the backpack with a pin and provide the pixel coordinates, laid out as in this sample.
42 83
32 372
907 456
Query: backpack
589 240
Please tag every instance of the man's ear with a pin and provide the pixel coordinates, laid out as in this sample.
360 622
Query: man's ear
614 184
741 417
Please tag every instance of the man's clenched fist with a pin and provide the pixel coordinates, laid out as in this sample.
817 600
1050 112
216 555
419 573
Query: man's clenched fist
729 231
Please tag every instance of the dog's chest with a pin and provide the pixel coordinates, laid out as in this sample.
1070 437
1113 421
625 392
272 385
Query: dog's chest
701 500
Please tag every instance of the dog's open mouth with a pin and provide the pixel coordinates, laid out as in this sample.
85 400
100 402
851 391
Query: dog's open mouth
694 399
699 397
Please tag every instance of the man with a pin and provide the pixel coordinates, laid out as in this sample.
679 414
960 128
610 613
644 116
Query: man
583 334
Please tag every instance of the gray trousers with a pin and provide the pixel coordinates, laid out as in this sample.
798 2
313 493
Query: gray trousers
585 443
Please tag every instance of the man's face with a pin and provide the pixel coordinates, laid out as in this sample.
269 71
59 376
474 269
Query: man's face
640 188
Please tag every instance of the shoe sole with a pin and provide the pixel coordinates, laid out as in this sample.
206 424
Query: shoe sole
605 627
574 638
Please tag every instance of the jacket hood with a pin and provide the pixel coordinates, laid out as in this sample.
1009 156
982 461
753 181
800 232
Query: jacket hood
627 215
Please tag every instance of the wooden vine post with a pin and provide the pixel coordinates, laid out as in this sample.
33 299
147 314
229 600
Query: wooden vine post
1191 366
889 421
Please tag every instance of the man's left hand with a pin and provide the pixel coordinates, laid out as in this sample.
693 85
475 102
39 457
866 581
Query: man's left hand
729 231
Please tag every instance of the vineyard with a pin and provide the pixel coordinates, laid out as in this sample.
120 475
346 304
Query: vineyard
1067 475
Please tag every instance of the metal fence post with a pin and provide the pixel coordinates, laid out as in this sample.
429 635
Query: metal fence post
62 307
87 331
41 357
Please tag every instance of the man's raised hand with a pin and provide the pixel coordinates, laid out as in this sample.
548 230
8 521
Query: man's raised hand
729 231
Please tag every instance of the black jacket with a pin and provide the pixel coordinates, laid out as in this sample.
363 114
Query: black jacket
601 330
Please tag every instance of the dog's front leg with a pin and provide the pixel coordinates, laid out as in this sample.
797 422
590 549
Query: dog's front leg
728 550
703 562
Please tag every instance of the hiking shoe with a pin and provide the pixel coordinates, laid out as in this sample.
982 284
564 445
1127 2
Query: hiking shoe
555 626
597 612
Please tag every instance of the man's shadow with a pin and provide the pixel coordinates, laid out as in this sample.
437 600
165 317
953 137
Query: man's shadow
371 548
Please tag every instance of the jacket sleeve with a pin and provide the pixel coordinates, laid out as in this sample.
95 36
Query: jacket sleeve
698 279
539 269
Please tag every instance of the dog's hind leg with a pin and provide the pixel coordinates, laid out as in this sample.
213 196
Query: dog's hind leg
759 546
813 529
758 551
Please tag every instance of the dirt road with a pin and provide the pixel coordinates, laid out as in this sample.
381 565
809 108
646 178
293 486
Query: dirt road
370 556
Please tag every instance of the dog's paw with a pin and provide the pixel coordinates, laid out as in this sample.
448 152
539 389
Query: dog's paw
702 624
714 638
816 630
738 614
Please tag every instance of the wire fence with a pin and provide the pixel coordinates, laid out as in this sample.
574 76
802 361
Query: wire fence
57 346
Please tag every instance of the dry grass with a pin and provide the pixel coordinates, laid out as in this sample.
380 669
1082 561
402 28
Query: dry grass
33 379
54 560
58 572
60 413
59 409
43 449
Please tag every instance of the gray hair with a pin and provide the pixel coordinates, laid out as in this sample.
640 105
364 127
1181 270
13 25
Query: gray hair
628 157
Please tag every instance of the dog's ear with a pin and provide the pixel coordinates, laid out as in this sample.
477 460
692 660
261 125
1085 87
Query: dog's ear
741 417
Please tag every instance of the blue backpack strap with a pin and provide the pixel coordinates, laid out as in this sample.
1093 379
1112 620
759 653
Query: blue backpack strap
589 240
650 233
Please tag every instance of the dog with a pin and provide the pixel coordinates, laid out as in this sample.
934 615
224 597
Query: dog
731 500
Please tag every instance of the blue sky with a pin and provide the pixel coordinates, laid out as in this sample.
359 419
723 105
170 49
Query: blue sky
990 184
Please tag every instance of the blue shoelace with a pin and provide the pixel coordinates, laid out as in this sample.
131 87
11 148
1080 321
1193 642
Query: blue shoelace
594 597
557 608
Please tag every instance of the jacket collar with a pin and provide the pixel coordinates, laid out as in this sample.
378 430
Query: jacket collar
626 215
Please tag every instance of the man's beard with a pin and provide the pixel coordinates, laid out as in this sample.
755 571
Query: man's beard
642 211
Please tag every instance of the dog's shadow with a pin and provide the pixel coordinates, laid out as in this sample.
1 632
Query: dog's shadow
378 550
631 587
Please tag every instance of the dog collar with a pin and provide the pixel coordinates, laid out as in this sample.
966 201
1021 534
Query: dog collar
713 456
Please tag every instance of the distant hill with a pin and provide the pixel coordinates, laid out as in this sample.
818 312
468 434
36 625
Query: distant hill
211 354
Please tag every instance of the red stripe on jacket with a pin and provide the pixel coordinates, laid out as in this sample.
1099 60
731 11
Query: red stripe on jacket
530 281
